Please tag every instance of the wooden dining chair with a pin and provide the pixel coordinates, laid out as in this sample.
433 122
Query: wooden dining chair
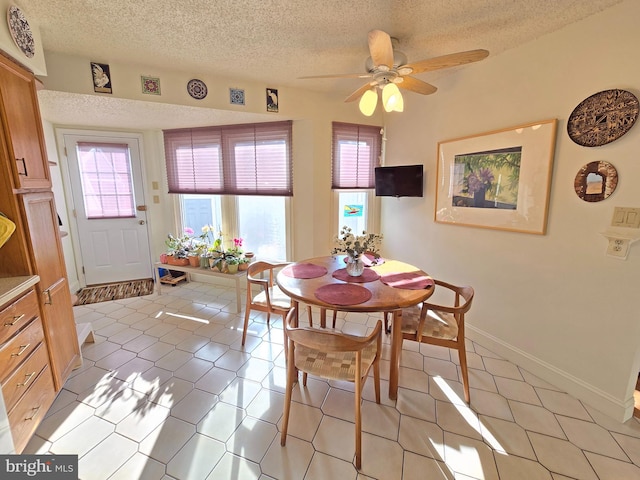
269 299
441 325
335 356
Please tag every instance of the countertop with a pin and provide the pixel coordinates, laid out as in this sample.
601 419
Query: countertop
11 287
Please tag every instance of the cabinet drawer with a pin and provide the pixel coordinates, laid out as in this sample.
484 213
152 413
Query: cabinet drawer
17 315
31 409
19 382
19 347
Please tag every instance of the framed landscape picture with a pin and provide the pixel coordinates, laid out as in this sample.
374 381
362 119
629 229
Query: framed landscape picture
499 179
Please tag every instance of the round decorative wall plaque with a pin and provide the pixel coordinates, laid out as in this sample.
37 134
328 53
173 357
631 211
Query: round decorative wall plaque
596 181
197 89
602 118
21 31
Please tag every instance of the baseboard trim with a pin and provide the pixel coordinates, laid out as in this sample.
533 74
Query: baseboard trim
583 391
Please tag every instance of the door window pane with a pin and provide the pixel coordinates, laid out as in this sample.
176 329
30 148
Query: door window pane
263 227
201 210
107 183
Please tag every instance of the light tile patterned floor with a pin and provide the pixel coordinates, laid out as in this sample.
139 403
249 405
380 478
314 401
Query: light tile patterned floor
167 392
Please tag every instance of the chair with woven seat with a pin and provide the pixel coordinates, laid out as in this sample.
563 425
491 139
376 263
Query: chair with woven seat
270 298
335 356
441 325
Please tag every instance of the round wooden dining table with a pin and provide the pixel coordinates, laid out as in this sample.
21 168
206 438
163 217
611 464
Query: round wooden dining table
387 287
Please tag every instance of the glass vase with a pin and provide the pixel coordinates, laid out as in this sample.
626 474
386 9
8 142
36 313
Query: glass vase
355 265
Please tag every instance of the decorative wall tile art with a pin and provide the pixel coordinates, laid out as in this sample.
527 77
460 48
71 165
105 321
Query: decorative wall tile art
101 77
21 31
272 100
197 89
150 85
236 96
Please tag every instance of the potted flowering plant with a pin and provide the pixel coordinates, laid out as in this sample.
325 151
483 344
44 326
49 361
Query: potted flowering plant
178 248
355 246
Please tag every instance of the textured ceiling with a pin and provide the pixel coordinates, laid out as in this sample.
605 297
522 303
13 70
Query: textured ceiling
279 40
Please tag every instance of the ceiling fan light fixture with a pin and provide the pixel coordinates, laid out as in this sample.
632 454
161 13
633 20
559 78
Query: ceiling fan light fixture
392 100
368 102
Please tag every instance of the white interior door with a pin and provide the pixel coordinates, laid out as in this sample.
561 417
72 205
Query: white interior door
106 181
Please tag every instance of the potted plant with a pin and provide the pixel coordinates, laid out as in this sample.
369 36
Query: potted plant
243 263
177 249
232 263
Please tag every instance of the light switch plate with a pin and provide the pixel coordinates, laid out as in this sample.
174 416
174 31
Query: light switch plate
626 217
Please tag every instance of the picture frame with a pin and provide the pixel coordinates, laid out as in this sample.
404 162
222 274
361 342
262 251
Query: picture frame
272 100
499 179
101 75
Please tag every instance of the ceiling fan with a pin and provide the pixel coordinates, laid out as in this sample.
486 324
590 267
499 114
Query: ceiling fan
387 69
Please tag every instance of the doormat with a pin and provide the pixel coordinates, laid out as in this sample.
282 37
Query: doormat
114 291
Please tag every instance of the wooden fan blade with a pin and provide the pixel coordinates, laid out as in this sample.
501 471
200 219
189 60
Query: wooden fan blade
339 75
380 48
358 93
446 61
418 86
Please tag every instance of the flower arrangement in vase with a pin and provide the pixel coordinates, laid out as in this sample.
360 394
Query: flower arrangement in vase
355 246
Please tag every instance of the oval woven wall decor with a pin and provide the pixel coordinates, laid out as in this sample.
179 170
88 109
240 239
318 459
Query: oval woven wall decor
603 117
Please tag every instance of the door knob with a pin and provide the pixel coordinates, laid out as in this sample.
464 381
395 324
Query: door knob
141 222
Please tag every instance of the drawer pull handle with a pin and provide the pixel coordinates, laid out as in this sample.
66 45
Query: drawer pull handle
27 379
23 348
34 413
24 166
15 320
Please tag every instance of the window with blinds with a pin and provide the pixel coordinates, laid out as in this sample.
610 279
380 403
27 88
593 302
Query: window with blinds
356 151
106 179
251 159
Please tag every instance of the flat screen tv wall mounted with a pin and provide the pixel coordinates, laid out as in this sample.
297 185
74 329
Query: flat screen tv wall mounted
399 181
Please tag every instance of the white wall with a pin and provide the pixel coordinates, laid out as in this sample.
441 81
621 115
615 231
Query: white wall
554 304
312 114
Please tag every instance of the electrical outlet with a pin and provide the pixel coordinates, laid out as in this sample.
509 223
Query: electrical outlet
156 199
618 247
626 217
154 185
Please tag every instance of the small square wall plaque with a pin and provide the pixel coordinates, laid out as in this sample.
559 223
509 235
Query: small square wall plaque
150 85
236 96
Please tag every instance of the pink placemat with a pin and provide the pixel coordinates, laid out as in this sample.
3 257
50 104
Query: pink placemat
304 270
369 260
343 294
367 276
408 280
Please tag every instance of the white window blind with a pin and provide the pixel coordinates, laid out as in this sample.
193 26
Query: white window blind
356 151
251 159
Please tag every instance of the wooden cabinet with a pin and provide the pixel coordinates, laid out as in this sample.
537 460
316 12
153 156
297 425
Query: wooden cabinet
21 120
27 385
39 347
57 312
